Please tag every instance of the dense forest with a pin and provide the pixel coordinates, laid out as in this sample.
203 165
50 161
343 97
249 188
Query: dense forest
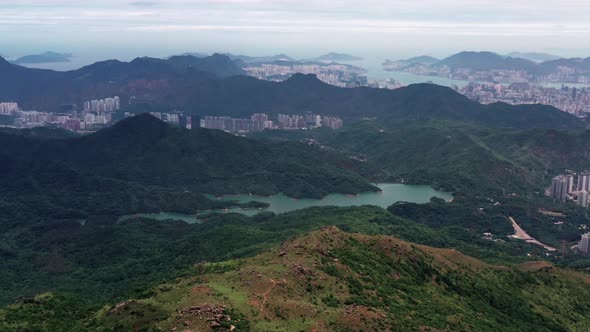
64 245
69 262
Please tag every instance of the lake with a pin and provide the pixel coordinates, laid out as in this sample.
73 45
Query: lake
391 193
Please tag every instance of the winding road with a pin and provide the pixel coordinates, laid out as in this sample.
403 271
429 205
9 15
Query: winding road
522 235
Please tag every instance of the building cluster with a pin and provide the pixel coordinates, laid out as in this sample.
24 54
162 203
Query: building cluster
341 75
575 101
107 105
309 120
559 75
94 115
72 122
8 108
255 123
563 188
167 117
260 121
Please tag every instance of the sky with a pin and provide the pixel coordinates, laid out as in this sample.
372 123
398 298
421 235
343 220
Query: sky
377 29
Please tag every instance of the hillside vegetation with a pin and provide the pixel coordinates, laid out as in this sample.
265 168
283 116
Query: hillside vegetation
330 280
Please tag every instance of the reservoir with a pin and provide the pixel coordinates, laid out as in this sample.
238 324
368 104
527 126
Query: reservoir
391 193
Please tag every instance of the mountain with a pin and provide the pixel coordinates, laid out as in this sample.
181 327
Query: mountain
181 83
579 65
357 282
534 56
336 57
147 151
260 59
195 54
47 57
464 65
219 64
423 60
486 61
242 96
143 78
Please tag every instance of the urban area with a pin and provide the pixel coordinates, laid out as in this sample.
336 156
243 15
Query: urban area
564 188
574 100
260 121
95 114
341 75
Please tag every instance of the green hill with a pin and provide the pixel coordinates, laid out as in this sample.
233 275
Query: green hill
334 281
147 151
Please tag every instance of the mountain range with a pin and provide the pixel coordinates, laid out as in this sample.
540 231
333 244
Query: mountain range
69 262
486 61
534 56
336 57
207 86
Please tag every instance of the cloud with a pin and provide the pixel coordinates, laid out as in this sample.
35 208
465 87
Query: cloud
186 21
144 3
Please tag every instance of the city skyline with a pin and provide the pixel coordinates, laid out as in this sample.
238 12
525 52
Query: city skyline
258 27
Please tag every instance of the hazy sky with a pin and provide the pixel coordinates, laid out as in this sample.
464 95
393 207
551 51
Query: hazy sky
379 28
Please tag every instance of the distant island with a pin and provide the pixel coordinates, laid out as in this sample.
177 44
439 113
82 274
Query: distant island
534 56
336 57
47 57
260 59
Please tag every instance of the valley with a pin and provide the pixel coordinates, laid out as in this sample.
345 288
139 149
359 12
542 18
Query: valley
408 203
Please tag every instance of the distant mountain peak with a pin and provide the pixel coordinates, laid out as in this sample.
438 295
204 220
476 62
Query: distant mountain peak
333 56
307 79
141 125
140 120
3 62
145 59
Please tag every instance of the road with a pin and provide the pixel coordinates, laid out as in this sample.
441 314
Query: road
522 235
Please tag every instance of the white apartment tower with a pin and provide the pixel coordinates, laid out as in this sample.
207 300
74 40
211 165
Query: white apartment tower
584 245
584 181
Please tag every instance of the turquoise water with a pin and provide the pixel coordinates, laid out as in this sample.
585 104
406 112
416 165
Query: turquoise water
189 219
391 193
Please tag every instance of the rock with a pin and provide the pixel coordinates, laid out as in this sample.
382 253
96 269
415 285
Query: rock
214 325
187 322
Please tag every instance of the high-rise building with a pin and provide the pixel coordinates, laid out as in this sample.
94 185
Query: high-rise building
260 117
107 105
584 245
72 124
584 181
8 108
318 121
559 186
332 122
569 179
189 122
583 198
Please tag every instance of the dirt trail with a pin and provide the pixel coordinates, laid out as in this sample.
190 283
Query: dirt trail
264 299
